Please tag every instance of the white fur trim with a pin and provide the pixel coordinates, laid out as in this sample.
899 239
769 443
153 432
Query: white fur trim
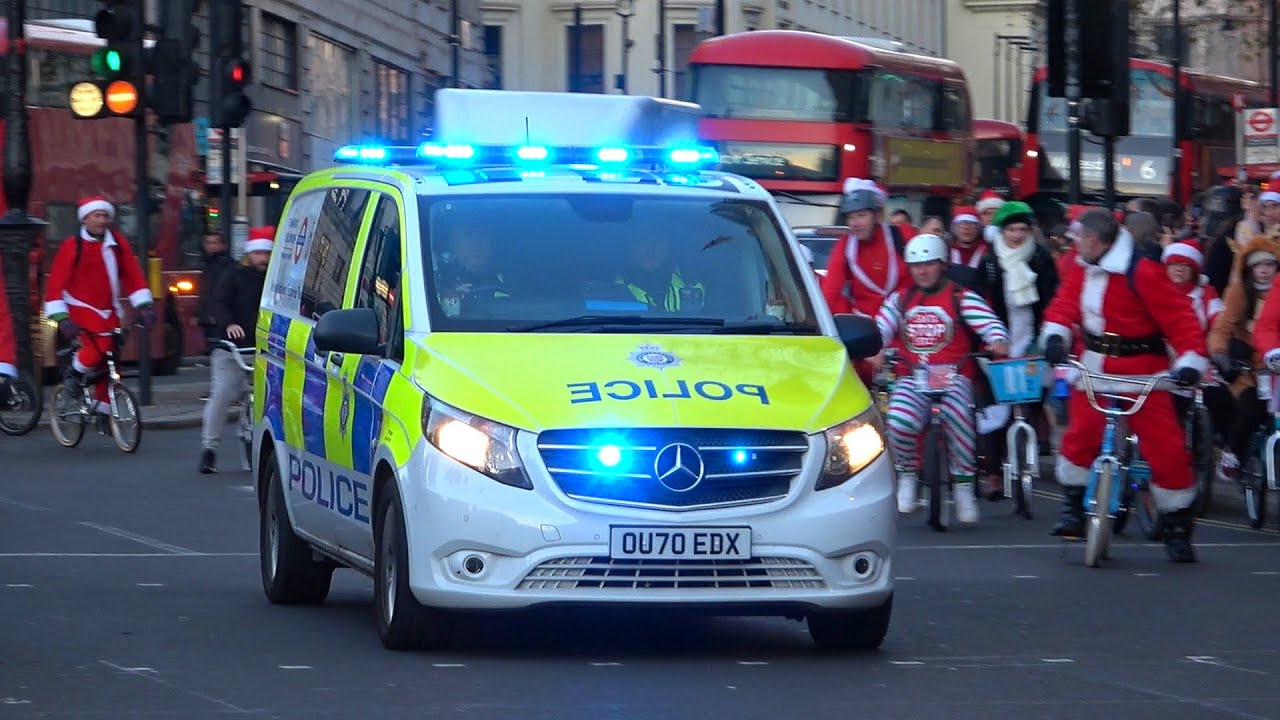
1269 196
989 204
138 298
1215 306
83 211
1183 250
79 366
9 370
258 246
1168 501
1192 360
965 218
1071 475
991 234
1051 329
1118 257
1258 256
56 307
1092 295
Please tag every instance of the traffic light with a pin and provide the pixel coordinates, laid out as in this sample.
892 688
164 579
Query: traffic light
229 105
120 66
173 59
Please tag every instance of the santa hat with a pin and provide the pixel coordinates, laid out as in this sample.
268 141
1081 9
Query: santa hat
963 215
92 204
1186 252
989 200
852 184
260 239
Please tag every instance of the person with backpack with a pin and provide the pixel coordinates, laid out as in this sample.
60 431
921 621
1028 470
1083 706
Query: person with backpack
1130 315
866 265
936 318
91 272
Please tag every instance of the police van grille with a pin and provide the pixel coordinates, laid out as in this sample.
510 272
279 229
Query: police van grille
742 467
601 573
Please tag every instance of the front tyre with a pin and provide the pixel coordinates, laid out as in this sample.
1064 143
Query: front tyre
126 418
67 418
1098 519
856 630
290 576
403 622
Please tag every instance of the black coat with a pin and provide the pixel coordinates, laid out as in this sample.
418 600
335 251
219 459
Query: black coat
1042 264
216 269
237 302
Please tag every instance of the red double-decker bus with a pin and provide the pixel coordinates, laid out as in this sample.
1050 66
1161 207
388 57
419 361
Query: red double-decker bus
800 112
997 156
74 158
1145 161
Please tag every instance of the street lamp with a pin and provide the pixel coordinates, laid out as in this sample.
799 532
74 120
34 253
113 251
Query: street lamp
626 9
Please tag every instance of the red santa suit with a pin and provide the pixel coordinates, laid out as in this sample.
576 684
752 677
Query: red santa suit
1125 333
861 273
8 340
1204 299
970 256
88 291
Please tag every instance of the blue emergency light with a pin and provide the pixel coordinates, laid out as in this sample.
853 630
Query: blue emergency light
533 159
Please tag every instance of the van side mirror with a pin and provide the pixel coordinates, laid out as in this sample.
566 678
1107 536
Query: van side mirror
353 331
859 334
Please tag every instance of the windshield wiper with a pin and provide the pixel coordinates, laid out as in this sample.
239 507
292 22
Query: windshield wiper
607 321
764 328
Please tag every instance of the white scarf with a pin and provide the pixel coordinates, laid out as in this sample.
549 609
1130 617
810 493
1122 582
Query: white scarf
891 253
1019 280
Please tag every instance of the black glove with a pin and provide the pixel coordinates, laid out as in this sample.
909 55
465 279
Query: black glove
1227 367
147 316
69 329
1055 350
1239 350
1187 376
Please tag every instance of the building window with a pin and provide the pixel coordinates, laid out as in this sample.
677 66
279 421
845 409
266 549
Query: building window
684 40
391 97
279 53
493 57
331 76
586 74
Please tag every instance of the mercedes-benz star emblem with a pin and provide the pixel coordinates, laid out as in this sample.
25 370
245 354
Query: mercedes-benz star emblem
678 467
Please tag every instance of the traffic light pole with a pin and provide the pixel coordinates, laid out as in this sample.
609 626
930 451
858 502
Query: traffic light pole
142 215
225 216
1073 99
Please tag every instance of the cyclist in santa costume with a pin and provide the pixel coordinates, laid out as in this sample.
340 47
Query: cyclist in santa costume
937 319
1130 316
91 272
866 264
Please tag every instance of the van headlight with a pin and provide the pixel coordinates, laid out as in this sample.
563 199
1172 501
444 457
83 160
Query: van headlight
851 446
485 446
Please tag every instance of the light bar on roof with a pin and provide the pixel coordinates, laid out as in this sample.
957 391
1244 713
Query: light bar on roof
613 158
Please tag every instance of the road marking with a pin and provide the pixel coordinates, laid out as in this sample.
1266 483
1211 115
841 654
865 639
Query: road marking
1026 577
1265 572
143 539
19 585
900 579
1217 662
1146 574
152 676
905 662
448 665
124 555
150 584
23 505
752 662
295 667
606 664
1057 660
243 488
14 701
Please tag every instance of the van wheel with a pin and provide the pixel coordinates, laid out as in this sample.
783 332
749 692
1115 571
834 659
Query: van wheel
403 622
860 630
289 574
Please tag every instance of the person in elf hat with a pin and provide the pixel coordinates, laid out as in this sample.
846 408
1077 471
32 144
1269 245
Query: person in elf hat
988 203
91 271
235 309
866 265
1232 342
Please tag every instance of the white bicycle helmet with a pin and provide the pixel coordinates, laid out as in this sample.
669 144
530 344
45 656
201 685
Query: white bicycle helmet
925 248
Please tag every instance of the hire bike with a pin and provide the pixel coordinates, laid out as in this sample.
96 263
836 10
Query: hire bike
1105 491
70 413
1258 464
1015 382
244 418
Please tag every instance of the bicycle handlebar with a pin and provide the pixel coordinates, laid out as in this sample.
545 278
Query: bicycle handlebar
237 353
1147 386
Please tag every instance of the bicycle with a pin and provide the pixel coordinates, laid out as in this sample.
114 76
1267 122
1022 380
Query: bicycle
20 413
1258 465
1105 489
1198 440
1015 382
70 415
244 419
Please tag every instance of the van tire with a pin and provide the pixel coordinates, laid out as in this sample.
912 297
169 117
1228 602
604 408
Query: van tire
290 575
851 630
403 622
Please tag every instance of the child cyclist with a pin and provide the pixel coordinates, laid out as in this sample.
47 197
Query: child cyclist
936 319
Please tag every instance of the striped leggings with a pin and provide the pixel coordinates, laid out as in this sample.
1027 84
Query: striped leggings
909 414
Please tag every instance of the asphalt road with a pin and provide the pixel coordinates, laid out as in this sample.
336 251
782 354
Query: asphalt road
129 588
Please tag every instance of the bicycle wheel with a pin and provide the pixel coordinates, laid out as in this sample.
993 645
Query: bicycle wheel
1098 522
1202 461
244 427
935 479
126 418
21 413
67 418
1253 476
1142 502
1023 472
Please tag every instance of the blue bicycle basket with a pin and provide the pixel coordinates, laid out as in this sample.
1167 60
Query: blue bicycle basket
1015 381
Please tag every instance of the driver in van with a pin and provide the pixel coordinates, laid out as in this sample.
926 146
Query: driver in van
653 278
471 270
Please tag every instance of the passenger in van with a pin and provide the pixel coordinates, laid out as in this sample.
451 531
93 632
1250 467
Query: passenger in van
471 273
653 278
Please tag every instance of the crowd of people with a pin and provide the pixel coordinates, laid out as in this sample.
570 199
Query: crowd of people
1152 289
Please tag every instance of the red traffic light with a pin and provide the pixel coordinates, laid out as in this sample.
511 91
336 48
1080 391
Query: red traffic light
237 72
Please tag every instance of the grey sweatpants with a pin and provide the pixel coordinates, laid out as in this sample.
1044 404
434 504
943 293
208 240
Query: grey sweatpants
226 382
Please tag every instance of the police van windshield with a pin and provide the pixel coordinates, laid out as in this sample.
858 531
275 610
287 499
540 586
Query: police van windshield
605 262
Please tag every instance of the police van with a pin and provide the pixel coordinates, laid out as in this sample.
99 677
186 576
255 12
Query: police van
533 363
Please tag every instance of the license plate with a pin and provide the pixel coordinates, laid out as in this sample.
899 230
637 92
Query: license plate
669 543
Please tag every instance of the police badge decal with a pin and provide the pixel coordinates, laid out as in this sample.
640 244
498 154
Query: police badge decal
649 355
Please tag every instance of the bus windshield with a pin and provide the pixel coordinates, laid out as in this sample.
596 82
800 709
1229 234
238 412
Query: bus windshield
1150 106
775 93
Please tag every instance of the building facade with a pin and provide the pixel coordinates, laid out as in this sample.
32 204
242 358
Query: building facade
997 42
608 46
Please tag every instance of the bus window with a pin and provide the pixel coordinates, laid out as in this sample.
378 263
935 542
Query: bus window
772 93
52 75
900 101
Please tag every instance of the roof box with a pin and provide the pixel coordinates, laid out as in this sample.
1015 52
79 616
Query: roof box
509 117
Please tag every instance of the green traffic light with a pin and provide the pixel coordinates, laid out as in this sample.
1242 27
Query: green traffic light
113 61
107 61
